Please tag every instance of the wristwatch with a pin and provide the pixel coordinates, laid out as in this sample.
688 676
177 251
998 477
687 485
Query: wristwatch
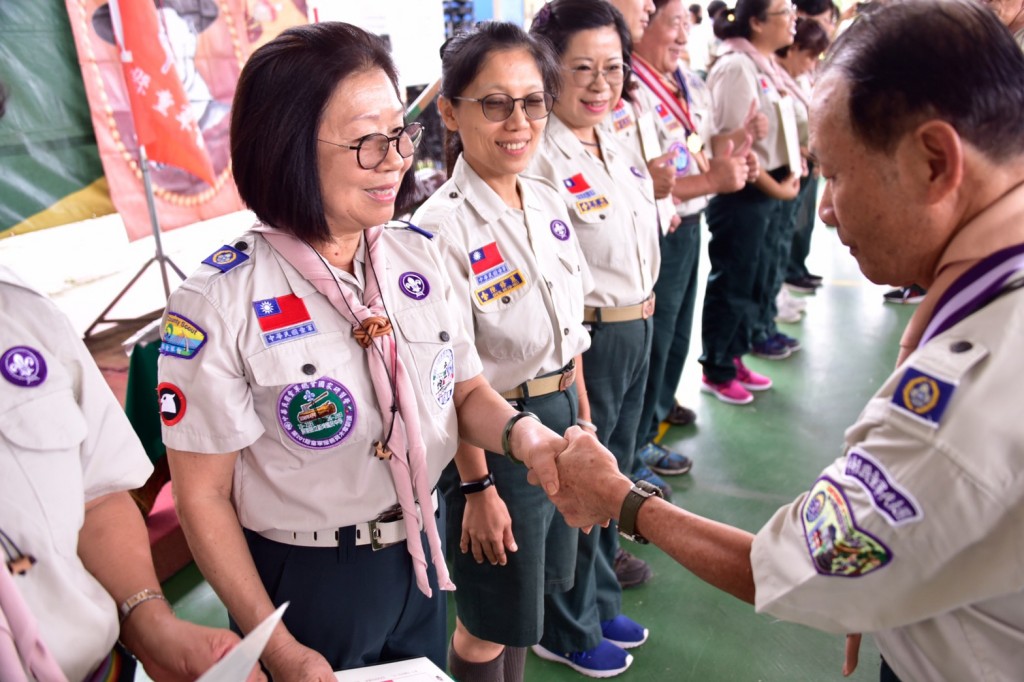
477 486
638 494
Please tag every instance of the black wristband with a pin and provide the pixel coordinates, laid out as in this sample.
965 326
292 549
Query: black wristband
506 447
638 494
477 486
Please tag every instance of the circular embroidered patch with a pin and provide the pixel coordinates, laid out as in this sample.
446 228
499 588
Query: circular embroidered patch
317 414
23 366
682 161
414 285
172 403
560 229
637 172
224 256
921 394
442 376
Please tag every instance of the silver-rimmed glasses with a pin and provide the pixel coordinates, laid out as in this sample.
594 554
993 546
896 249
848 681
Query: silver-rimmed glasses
372 149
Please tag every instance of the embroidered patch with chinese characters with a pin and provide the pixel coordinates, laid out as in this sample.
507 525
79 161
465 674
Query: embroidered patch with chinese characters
283 318
511 282
182 338
487 263
896 505
317 414
442 376
923 396
836 545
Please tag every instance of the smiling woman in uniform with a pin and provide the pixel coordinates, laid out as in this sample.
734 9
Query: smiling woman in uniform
327 378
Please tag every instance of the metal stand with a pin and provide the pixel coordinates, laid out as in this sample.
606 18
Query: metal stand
161 259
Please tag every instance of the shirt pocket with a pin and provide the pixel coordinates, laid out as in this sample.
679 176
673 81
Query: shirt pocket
311 392
46 430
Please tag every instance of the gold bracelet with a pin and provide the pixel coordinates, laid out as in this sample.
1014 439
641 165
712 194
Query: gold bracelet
140 597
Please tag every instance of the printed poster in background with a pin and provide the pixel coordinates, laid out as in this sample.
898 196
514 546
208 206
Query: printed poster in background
207 43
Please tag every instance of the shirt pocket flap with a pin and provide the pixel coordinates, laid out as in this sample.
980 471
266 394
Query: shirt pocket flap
302 360
47 422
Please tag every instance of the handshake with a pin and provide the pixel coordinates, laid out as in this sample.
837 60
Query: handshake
579 474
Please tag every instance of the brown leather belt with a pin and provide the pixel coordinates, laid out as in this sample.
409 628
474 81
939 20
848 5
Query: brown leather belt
552 383
640 311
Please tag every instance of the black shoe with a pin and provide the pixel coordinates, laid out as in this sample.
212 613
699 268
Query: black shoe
631 571
905 295
681 416
815 278
804 285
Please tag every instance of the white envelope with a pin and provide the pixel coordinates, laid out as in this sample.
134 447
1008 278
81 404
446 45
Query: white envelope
239 662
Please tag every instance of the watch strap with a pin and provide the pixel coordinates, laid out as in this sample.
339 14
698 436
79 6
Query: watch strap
638 494
477 486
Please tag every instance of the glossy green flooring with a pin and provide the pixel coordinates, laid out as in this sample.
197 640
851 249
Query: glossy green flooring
749 461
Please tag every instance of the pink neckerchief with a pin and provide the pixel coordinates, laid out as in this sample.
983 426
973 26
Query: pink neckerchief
766 65
408 455
21 646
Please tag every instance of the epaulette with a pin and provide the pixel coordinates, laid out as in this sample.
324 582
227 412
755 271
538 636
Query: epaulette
229 257
406 225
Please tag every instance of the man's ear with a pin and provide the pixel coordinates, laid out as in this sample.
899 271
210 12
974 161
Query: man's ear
447 111
933 154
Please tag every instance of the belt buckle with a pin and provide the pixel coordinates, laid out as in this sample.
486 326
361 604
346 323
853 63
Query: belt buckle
568 379
387 516
648 308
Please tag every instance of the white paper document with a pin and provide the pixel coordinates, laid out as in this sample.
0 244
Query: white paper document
413 670
239 662
790 136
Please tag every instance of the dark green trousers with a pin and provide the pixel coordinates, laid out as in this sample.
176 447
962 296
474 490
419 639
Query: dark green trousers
806 212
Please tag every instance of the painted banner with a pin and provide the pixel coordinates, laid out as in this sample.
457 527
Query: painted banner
206 43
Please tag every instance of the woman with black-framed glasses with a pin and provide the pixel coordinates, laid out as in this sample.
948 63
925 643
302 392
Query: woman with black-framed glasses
316 377
515 260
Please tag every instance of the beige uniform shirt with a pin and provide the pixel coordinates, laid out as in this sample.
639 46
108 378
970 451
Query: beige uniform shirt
521 274
672 134
272 370
916 534
611 204
734 83
64 440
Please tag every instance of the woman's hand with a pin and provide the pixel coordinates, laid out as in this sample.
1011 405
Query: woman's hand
663 173
292 662
487 528
755 122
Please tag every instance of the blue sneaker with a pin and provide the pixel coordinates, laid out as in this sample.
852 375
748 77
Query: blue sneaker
661 460
788 341
624 632
642 473
770 349
604 660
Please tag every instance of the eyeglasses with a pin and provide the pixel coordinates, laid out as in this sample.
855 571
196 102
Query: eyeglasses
372 149
499 107
584 76
788 11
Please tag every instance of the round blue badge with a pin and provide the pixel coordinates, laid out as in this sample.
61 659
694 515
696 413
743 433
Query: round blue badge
23 366
414 285
560 229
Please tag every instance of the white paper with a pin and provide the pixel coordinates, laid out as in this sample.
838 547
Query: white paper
790 136
652 149
239 662
413 670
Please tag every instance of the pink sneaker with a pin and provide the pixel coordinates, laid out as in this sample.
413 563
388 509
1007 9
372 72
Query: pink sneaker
728 392
749 379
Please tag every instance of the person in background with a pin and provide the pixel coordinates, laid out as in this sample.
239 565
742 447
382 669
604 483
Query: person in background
798 62
511 255
681 106
78 574
746 227
325 376
610 199
825 12
697 51
917 529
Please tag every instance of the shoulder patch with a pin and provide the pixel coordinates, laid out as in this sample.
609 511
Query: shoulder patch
226 258
896 505
836 544
922 396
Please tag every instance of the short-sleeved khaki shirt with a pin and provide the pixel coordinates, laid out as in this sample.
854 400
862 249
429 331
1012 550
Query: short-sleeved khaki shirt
258 361
521 273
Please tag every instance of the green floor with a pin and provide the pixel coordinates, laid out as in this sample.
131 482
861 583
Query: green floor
749 461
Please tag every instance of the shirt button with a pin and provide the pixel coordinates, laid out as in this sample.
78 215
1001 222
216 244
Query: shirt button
241 246
565 331
506 300
961 346
444 336
308 369
601 216
453 195
550 284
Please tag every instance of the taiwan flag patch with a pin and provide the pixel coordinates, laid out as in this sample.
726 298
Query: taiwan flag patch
485 258
283 318
576 184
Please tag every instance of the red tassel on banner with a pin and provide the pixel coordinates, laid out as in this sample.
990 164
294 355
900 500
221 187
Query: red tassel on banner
163 118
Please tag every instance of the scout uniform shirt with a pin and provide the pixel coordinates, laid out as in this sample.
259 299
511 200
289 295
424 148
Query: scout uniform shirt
611 204
255 359
522 274
735 82
916 534
64 441
673 133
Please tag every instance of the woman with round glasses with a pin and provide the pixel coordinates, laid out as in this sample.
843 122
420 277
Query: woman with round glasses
610 198
512 255
315 377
